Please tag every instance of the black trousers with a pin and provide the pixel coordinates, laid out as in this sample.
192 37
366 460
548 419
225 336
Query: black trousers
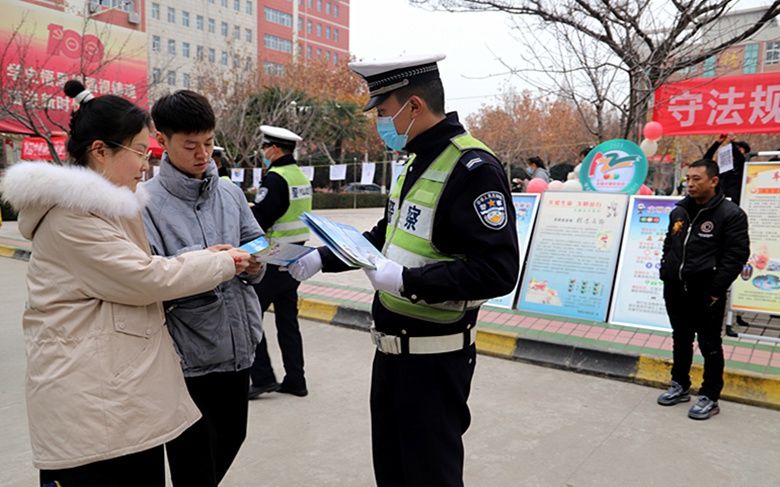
692 313
202 455
279 288
142 468
419 413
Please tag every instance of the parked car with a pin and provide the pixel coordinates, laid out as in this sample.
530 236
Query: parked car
362 188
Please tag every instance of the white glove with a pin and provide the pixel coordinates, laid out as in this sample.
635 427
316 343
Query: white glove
388 276
306 266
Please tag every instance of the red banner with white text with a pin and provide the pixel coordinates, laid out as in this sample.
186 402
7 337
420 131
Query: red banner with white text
36 149
728 104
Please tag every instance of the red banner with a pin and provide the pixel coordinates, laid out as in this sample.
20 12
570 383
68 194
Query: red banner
729 104
36 149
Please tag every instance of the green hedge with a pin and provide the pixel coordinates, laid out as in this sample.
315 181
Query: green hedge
325 201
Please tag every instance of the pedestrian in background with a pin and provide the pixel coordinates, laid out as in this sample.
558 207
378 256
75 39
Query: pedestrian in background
104 387
537 170
731 180
705 249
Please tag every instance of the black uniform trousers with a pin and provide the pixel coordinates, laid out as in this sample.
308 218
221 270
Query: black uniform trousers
419 413
279 288
202 455
692 313
143 468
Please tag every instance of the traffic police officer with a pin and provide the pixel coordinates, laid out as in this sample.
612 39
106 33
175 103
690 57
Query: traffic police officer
448 235
283 197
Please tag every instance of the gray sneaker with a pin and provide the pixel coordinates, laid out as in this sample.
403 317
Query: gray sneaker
704 408
675 394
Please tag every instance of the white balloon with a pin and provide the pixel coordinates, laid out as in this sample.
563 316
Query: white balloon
572 176
577 169
649 147
555 186
572 185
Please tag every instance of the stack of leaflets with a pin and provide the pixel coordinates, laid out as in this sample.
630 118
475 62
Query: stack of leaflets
270 252
345 241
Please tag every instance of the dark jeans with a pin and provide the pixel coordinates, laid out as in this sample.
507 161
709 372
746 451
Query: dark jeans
693 314
279 288
202 455
419 413
142 468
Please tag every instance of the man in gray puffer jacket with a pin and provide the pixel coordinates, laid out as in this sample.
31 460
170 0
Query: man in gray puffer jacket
215 333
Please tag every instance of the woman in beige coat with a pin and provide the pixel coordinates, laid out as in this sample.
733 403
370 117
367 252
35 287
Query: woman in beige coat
105 389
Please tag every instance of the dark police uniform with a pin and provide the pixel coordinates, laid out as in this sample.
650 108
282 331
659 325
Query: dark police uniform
419 408
705 249
279 216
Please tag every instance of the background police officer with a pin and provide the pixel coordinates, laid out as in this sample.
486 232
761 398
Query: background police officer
448 235
283 197
706 246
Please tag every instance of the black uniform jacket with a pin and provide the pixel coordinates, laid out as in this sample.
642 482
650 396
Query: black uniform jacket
706 245
274 195
489 266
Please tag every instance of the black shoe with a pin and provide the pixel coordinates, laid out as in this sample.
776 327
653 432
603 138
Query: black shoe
704 408
674 395
256 391
299 391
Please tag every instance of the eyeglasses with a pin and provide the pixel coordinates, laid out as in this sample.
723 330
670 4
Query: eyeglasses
146 156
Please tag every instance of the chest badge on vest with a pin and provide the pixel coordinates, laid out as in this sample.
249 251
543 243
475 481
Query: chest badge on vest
707 227
491 209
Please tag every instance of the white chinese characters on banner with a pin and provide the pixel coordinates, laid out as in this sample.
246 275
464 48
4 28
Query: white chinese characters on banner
257 177
367 171
338 172
684 107
725 109
237 175
308 171
725 158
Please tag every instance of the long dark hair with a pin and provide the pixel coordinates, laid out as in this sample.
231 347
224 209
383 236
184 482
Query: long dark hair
109 118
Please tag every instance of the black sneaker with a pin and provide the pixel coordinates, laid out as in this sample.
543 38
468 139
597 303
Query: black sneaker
299 391
674 395
257 391
704 408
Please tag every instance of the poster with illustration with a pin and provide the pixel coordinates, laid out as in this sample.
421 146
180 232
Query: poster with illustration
758 287
526 205
574 250
638 299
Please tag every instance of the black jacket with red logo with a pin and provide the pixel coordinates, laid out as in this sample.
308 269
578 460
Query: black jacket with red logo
706 245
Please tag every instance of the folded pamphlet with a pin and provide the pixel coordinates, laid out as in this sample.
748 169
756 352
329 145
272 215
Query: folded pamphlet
349 245
270 252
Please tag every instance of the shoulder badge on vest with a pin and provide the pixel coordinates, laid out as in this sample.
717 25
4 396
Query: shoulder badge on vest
491 208
472 159
261 194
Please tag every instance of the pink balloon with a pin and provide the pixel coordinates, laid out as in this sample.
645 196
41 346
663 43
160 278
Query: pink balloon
536 185
645 191
653 130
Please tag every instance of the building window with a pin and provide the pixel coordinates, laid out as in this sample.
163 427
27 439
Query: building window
171 15
224 29
212 26
156 11
185 80
772 55
224 58
212 55
248 65
185 49
249 7
278 17
156 75
199 53
185 18
327 32
223 3
308 3
336 10
308 52
319 5
335 58
199 22
319 53
211 2
236 33
248 35
172 78
319 30
277 43
156 43
327 8
237 5
335 34
172 47
308 26
273 69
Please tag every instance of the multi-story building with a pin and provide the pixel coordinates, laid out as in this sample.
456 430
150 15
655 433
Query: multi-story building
188 39
321 28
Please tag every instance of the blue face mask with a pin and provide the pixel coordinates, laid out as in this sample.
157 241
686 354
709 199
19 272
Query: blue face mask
386 129
529 171
266 162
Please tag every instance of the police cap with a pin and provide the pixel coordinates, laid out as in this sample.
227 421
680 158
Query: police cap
279 136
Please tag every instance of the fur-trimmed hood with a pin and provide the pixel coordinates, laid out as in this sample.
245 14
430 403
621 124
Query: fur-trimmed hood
33 188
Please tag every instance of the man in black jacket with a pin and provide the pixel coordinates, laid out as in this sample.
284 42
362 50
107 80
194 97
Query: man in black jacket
705 249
